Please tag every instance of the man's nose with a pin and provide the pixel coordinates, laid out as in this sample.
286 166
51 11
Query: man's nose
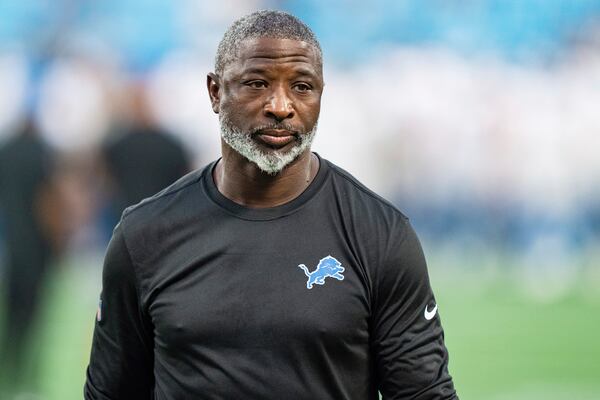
279 106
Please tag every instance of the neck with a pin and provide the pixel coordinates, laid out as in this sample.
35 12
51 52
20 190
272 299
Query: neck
244 183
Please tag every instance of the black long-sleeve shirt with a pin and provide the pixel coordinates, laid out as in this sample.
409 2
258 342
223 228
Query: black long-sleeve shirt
325 297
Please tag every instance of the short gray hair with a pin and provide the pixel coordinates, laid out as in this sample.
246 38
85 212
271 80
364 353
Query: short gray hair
265 23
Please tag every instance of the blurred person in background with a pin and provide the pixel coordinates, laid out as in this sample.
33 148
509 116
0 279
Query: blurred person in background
205 293
140 158
31 210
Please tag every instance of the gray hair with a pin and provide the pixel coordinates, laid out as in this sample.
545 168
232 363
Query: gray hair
265 23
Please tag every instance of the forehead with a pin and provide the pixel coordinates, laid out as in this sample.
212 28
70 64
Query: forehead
266 52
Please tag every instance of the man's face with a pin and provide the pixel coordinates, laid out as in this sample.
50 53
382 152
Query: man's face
268 101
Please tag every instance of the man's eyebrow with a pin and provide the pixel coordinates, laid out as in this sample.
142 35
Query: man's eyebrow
306 72
300 71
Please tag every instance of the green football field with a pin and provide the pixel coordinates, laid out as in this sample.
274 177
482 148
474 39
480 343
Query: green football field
502 344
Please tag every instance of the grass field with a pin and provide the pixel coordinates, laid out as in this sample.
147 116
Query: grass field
503 345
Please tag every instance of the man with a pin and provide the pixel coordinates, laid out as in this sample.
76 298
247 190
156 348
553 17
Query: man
31 234
141 158
271 273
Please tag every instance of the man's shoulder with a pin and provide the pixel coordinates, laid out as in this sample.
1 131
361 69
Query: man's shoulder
356 192
166 202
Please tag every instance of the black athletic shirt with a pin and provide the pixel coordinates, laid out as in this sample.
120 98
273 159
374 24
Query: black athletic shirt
141 162
324 297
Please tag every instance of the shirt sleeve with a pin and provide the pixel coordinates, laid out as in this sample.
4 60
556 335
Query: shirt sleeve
121 362
408 341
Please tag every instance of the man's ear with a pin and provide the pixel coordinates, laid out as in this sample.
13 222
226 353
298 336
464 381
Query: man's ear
214 90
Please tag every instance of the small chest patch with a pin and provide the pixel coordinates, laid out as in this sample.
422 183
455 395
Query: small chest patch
328 267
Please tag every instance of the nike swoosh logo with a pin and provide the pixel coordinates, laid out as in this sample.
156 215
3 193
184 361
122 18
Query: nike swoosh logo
430 314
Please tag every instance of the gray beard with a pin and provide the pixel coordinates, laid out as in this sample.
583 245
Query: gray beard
271 162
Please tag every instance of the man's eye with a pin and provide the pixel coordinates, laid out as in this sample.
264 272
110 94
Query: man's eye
257 84
302 87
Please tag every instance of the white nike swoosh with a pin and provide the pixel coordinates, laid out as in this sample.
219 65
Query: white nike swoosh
430 314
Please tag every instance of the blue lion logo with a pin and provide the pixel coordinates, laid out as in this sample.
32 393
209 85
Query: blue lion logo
328 267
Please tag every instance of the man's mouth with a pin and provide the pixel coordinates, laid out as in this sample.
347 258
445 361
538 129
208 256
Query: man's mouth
276 138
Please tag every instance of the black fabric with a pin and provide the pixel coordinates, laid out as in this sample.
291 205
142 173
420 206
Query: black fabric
205 299
25 169
142 162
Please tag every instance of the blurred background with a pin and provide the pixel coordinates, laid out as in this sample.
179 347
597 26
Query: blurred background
479 119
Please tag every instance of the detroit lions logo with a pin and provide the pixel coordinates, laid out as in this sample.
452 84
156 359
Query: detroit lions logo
328 267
